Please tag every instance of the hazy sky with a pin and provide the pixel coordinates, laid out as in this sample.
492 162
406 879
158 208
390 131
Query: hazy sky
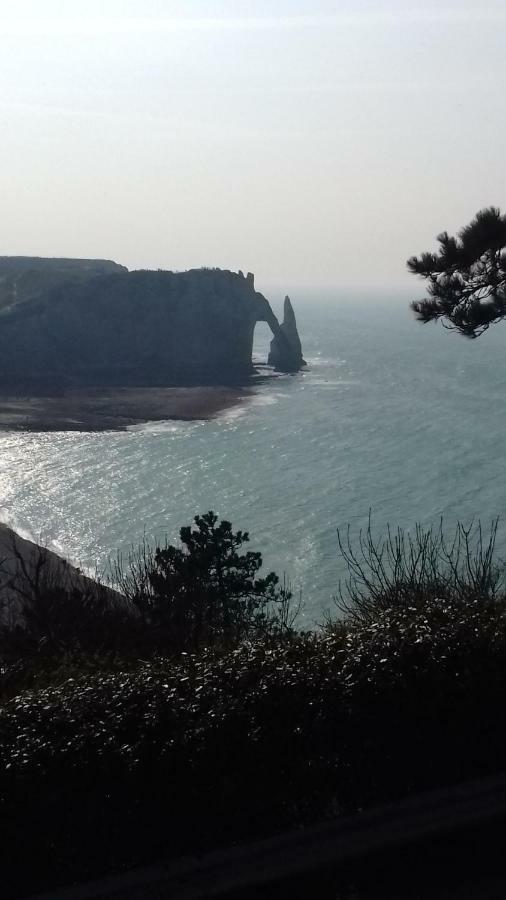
312 142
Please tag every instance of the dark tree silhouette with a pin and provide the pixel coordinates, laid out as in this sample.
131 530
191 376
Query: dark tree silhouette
207 591
467 276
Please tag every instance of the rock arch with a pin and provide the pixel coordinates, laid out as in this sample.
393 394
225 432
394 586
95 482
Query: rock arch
285 351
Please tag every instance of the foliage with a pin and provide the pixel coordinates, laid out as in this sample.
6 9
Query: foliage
467 277
205 591
209 748
410 570
194 750
56 620
167 599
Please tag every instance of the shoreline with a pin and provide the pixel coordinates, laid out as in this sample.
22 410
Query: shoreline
116 409
25 563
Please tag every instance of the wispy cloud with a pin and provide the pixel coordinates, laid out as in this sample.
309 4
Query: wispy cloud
141 25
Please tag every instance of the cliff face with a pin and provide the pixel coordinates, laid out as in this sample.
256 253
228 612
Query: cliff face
134 328
25 277
286 350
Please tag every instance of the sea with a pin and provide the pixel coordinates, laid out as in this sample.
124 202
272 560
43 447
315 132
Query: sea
392 420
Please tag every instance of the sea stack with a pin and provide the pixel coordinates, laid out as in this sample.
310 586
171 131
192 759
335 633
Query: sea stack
286 350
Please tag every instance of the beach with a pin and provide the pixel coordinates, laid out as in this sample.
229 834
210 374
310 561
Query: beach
115 409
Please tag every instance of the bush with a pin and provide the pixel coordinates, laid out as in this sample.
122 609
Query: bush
167 599
182 755
407 570
172 755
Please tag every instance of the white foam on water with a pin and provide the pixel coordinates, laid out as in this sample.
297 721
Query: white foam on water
232 414
164 426
327 382
325 361
268 399
257 400
9 519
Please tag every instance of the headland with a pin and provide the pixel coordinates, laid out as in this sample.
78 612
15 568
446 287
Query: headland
86 345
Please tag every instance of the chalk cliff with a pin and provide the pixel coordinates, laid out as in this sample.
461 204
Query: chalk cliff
25 277
136 328
286 351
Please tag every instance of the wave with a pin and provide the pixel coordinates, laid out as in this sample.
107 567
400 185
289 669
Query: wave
258 400
163 426
327 382
11 521
325 361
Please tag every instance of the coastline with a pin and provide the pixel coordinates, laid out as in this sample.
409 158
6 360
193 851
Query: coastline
116 409
24 564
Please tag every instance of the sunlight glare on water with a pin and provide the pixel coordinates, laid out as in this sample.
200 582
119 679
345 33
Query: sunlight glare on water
405 420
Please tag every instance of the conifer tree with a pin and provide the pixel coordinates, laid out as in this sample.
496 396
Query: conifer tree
206 590
466 277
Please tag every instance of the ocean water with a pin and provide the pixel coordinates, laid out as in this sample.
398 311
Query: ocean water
403 420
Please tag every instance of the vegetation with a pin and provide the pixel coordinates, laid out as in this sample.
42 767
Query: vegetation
467 277
205 592
406 571
201 594
258 727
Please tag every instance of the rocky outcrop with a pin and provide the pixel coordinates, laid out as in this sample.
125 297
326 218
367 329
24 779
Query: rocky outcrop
120 328
286 350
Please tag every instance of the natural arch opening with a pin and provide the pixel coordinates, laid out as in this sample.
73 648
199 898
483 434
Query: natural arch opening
262 337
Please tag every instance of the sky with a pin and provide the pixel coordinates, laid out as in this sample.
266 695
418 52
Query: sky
314 143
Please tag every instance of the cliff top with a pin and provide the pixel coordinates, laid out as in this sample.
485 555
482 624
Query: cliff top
24 277
11 264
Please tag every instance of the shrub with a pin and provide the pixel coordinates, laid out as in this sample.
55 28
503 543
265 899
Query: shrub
410 570
200 749
168 599
181 755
